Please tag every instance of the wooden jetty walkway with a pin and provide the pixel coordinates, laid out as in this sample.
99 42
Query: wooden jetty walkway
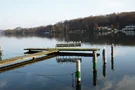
15 59
24 63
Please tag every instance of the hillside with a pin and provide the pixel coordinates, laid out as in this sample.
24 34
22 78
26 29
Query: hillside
90 23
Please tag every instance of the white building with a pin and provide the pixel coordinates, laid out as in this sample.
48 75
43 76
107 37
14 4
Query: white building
129 28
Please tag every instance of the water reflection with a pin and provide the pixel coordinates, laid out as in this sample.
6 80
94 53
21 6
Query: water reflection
112 57
104 70
67 59
24 63
118 37
0 57
95 70
112 63
104 63
78 85
117 80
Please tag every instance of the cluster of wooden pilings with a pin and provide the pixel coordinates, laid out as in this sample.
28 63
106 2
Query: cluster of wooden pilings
78 70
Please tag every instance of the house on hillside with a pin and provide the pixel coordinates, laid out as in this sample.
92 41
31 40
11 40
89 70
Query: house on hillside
129 28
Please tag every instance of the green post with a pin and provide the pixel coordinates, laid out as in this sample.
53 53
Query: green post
78 75
94 60
78 70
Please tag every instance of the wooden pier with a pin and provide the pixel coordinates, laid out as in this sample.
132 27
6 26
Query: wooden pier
24 63
43 53
62 49
33 56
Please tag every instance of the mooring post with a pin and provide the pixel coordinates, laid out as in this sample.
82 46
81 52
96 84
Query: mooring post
104 62
0 51
112 50
112 57
94 60
78 85
78 75
112 63
78 70
94 77
94 68
104 70
104 56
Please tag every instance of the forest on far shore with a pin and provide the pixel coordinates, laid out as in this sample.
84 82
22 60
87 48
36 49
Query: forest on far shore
90 23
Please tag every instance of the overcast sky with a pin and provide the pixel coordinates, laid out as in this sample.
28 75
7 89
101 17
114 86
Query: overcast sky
32 13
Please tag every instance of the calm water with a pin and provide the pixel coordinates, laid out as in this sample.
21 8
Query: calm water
53 75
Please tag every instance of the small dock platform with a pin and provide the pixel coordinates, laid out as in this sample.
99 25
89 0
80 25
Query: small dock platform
62 49
74 44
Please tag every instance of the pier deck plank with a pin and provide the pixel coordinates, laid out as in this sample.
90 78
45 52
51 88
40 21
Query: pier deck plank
15 59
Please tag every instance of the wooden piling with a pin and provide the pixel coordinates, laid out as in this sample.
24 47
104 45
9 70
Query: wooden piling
78 75
0 51
94 60
112 50
78 70
78 85
95 77
94 68
112 63
112 57
104 56
104 70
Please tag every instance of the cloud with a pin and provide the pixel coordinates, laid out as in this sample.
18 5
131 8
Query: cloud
127 83
3 83
108 85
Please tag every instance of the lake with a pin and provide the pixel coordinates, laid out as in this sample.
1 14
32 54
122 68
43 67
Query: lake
53 74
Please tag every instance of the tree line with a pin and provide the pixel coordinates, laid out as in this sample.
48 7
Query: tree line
90 23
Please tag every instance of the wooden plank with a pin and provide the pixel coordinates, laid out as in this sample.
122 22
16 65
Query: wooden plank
64 49
24 63
11 60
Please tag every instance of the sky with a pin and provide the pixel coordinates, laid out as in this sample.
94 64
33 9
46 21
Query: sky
33 13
